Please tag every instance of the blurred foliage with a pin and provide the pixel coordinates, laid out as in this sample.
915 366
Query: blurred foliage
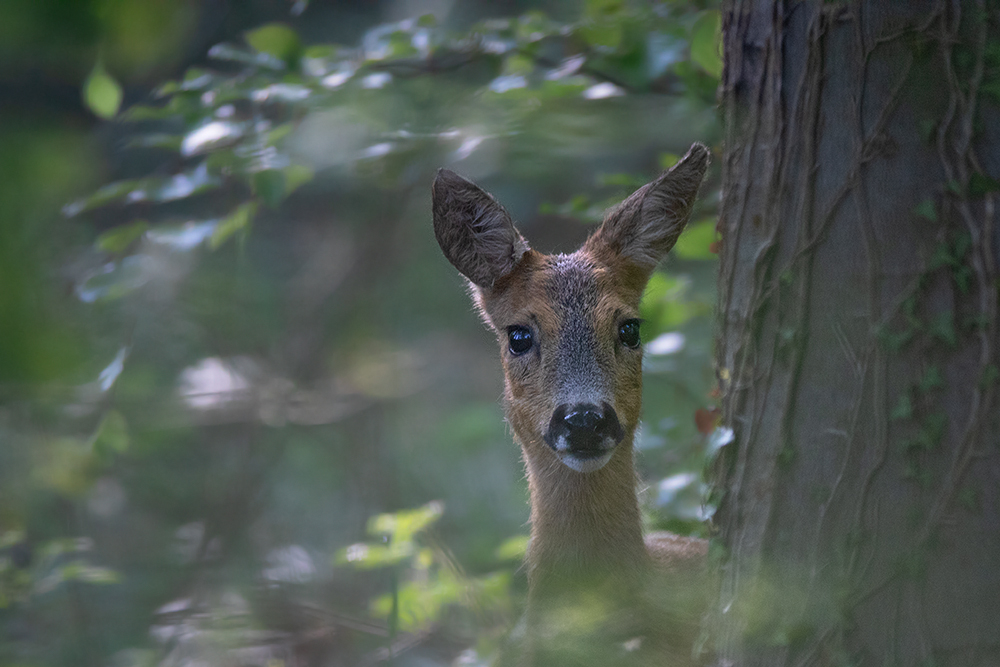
230 338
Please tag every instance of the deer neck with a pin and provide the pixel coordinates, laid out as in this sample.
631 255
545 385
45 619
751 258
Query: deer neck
585 527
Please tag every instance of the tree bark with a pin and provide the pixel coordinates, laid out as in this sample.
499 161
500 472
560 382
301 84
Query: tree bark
859 503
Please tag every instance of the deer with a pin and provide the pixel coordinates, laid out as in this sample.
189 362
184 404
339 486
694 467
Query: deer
568 326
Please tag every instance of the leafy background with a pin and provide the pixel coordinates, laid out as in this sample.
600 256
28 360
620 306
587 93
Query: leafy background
247 415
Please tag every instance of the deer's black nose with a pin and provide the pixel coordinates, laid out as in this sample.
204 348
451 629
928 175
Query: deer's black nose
586 418
584 429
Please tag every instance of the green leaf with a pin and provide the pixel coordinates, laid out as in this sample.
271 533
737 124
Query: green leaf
932 379
903 409
320 59
237 54
269 185
518 64
925 209
667 160
696 241
117 240
603 34
665 305
115 280
79 571
296 175
706 43
237 221
370 556
11 537
101 93
943 327
170 142
603 9
933 430
111 436
895 341
963 278
513 548
277 40
980 185
403 526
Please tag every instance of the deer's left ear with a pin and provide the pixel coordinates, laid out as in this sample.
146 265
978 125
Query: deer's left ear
644 227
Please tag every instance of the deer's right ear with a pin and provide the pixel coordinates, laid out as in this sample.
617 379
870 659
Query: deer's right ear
475 233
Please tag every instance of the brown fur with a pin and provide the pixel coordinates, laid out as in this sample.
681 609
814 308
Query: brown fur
586 550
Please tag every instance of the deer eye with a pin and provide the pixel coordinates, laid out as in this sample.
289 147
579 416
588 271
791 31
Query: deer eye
628 333
519 339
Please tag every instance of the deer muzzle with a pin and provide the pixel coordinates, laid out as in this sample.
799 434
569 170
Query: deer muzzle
584 435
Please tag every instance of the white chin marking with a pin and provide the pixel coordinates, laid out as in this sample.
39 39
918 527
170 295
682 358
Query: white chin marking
585 465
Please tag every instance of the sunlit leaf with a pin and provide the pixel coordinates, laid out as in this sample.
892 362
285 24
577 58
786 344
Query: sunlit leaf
603 90
507 83
115 279
667 160
195 79
237 221
11 537
513 548
420 602
534 26
211 136
184 236
111 436
277 40
681 497
518 64
101 92
138 112
231 53
720 437
118 240
695 242
76 571
155 189
403 526
67 467
269 186
663 51
104 195
108 375
155 140
670 342
664 304
320 59
371 556
602 23
706 42
296 175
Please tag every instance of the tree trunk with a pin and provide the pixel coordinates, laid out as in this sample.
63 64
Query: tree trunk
858 347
